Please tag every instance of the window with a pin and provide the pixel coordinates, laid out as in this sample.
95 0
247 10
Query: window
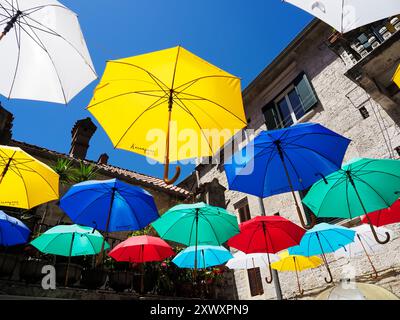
255 282
244 210
291 105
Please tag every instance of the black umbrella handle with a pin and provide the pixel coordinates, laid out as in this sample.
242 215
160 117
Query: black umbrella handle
10 24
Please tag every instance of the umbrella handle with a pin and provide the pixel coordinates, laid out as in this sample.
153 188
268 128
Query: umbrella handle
377 238
269 281
166 174
302 222
330 279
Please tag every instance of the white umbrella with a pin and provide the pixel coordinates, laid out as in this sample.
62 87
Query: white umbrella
364 244
347 15
241 260
43 53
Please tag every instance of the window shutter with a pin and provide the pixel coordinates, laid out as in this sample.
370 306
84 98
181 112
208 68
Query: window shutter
305 92
255 281
271 118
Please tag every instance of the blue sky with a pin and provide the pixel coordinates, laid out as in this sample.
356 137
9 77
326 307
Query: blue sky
241 37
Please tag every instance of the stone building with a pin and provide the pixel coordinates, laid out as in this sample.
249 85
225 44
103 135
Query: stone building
345 83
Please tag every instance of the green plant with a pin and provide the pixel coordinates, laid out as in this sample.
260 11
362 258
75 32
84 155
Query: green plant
63 168
83 173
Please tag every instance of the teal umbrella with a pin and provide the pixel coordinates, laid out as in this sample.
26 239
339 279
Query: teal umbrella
70 241
197 224
360 187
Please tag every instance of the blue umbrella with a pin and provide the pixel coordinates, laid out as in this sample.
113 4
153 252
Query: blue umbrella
303 154
207 256
109 206
322 239
12 231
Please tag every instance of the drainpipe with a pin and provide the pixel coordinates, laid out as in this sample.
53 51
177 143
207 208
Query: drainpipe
275 275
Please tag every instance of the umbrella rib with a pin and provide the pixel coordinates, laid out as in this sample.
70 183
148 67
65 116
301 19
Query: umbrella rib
175 68
17 33
373 189
132 210
212 227
197 106
347 198
364 172
185 108
48 54
293 166
156 80
91 244
23 181
192 82
327 241
215 103
6 11
122 95
152 106
40 175
60 36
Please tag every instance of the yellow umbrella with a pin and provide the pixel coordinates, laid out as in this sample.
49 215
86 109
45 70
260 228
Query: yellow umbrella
168 105
295 263
24 181
396 77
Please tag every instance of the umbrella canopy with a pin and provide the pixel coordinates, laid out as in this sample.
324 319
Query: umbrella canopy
167 94
396 77
12 231
24 181
241 260
347 15
70 241
142 249
385 216
202 257
287 160
109 205
364 244
267 235
197 224
43 53
360 187
294 263
322 239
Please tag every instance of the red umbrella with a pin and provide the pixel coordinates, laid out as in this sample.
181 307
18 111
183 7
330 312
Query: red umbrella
267 235
384 217
142 249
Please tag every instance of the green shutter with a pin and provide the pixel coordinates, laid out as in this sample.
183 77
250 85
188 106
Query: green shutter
305 92
271 118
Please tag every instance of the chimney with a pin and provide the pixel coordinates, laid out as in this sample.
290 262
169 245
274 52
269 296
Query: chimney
6 124
103 159
82 132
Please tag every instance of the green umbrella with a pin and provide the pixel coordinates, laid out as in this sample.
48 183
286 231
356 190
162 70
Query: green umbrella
197 224
360 187
70 241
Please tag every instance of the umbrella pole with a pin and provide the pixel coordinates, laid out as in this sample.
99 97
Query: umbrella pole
299 213
330 280
142 271
7 167
269 260
69 259
297 276
196 248
166 166
366 213
10 24
369 258
101 256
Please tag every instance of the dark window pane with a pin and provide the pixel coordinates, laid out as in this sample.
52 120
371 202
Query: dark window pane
305 92
271 118
244 213
297 106
285 113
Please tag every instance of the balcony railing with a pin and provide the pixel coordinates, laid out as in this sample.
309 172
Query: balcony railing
354 46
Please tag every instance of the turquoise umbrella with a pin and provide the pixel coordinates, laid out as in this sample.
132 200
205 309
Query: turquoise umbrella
70 241
360 187
206 257
322 239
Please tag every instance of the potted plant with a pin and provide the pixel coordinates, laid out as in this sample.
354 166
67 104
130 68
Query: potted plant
74 269
8 263
94 277
121 278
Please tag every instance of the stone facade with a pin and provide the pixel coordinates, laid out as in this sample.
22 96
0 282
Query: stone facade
339 98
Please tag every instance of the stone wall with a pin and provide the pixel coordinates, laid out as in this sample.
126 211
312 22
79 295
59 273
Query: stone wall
338 97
